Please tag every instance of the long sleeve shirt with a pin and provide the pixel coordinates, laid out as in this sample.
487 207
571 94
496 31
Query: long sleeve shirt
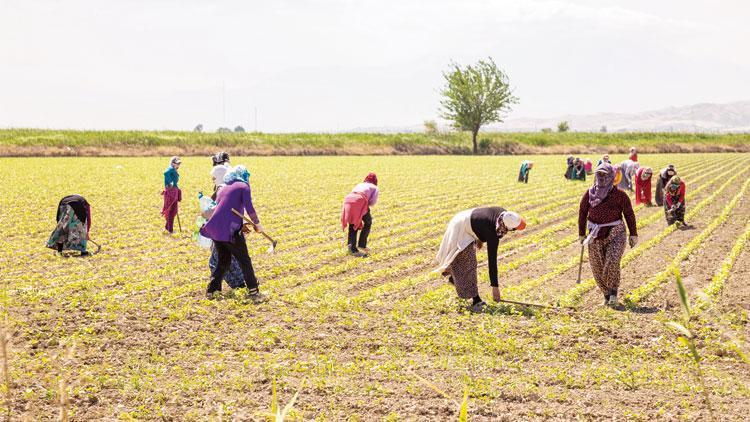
612 208
669 199
171 177
369 190
224 223
484 226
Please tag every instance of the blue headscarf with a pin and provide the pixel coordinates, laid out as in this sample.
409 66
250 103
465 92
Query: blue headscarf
237 174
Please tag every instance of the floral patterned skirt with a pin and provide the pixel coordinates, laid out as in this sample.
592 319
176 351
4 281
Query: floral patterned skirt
233 276
70 233
463 269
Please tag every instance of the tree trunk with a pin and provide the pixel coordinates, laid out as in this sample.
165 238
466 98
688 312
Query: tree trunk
474 140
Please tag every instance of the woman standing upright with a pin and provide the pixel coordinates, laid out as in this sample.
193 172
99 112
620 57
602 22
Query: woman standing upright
220 168
172 194
466 233
633 156
601 211
355 214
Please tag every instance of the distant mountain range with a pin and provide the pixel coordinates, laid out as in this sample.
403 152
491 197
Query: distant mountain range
705 117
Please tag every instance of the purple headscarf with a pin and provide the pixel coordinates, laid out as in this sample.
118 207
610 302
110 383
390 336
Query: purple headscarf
605 175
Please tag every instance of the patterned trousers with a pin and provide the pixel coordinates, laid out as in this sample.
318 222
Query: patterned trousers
604 258
463 269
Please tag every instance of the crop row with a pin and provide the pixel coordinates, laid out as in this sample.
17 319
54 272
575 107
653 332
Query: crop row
720 277
643 291
519 290
410 281
573 296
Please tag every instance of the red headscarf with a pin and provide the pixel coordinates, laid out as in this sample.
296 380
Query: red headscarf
372 178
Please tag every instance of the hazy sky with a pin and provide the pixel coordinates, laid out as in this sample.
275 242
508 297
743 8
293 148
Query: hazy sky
317 65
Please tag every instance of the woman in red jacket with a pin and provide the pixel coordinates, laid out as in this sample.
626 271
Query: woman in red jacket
601 211
674 201
643 186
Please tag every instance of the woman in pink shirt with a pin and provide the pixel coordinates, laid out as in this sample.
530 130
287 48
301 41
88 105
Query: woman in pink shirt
355 214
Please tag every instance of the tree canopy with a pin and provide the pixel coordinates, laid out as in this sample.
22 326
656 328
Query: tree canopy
476 95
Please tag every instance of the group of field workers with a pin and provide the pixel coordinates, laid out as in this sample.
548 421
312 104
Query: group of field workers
606 223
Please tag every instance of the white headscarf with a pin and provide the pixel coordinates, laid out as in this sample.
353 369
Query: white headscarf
218 172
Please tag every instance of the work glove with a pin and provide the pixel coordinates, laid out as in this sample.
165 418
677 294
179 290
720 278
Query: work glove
258 228
581 239
632 241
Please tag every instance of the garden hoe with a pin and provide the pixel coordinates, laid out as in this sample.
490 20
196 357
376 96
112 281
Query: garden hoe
513 302
98 247
580 265
249 221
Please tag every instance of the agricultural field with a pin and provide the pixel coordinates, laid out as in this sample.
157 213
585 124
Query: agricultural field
128 334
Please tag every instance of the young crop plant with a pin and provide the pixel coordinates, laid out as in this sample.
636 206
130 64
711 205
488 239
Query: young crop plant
649 287
686 338
718 281
574 295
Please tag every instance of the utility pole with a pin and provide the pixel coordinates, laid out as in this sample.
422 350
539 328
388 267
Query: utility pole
223 104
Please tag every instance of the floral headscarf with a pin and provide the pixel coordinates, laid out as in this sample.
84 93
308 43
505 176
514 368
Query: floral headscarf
645 173
605 175
237 174
674 184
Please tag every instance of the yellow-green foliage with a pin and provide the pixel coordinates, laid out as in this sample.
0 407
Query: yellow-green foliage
362 333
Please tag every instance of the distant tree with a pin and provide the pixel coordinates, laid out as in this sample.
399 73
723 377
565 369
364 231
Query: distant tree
546 130
239 129
223 130
430 127
563 126
198 128
603 129
475 95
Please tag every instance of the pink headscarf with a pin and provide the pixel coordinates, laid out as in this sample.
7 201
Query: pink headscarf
372 178
605 175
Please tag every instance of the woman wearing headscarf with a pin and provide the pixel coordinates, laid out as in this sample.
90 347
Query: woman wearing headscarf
633 154
601 211
604 159
628 169
523 174
569 170
664 176
674 201
234 277
579 171
643 186
355 214
227 230
589 166
172 194
220 168
73 224
466 233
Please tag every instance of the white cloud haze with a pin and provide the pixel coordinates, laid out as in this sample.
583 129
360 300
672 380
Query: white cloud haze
317 65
